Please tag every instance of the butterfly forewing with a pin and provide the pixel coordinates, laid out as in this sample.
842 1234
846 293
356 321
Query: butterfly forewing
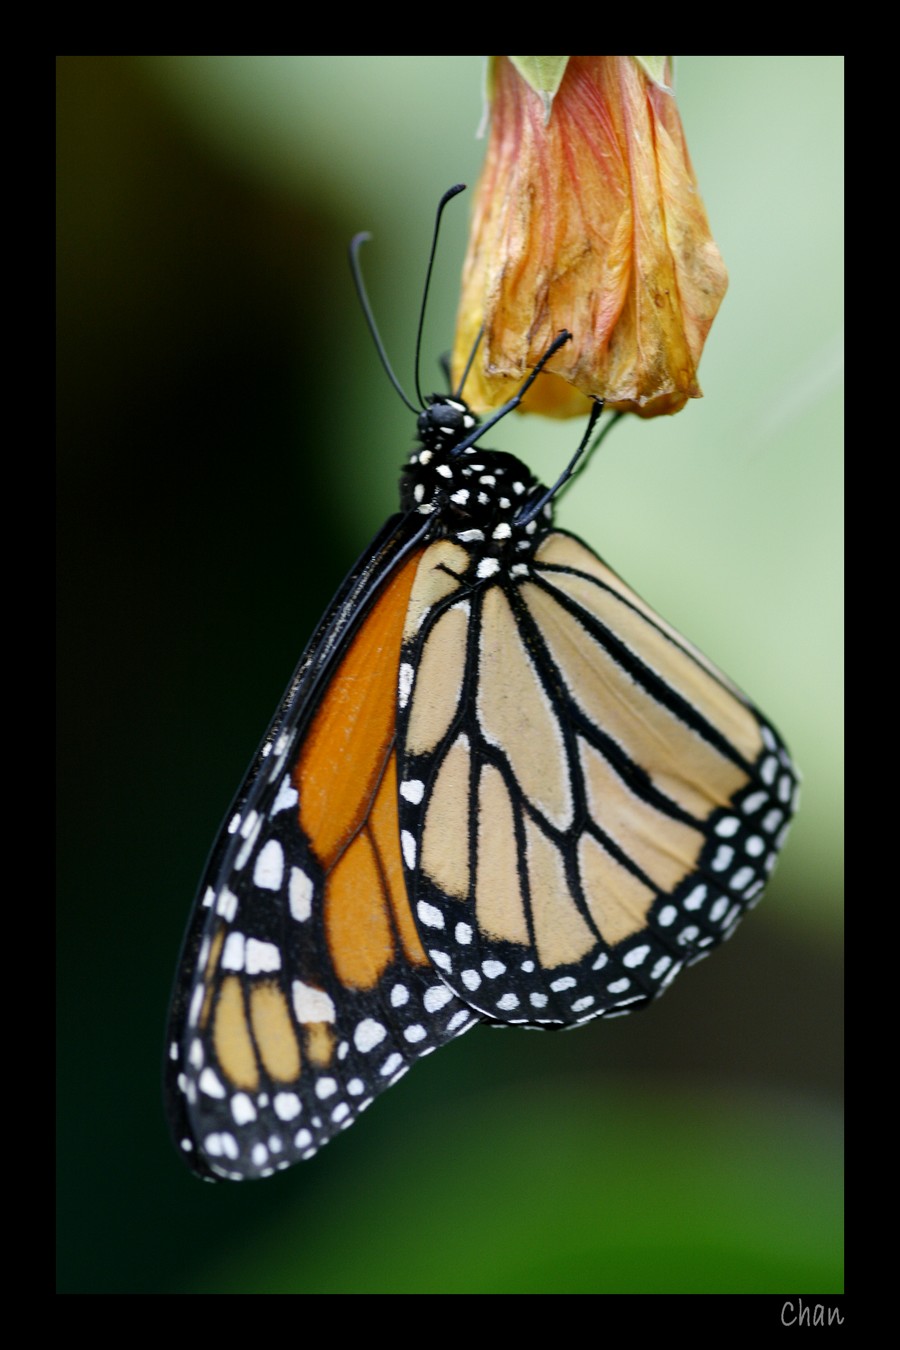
305 988
589 803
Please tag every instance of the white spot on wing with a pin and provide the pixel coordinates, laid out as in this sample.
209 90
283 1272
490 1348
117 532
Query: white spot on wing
233 952
227 905
368 1034
405 684
197 998
261 957
300 892
310 1004
242 1109
269 867
408 845
437 997
221 1145
768 770
287 796
210 1084
286 1105
723 858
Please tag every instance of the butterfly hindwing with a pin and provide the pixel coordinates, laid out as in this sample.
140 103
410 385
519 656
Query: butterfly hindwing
590 804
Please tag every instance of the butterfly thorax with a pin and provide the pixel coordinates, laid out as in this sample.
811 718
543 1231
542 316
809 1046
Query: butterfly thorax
477 495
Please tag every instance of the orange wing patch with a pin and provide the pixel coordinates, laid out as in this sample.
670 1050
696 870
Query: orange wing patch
347 784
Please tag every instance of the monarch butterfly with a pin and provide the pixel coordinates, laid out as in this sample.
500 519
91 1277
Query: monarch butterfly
499 788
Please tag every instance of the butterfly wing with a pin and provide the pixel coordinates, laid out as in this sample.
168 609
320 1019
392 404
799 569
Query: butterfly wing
304 989
586 803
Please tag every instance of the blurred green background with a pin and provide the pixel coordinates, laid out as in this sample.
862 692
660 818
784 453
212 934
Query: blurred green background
227 445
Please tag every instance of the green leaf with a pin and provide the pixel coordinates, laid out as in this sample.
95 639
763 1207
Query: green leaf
544 75
655 68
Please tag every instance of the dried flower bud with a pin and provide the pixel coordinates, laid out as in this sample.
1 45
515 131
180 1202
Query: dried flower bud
587 217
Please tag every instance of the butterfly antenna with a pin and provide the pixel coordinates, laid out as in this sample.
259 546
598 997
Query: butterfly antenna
355 244
469 363
448 196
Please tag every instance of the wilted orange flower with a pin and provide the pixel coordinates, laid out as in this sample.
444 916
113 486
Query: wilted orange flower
588 220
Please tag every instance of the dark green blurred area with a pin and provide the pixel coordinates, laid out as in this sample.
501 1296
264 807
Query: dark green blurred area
227 444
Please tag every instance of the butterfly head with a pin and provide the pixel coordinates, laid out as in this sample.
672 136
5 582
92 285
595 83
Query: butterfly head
444 423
